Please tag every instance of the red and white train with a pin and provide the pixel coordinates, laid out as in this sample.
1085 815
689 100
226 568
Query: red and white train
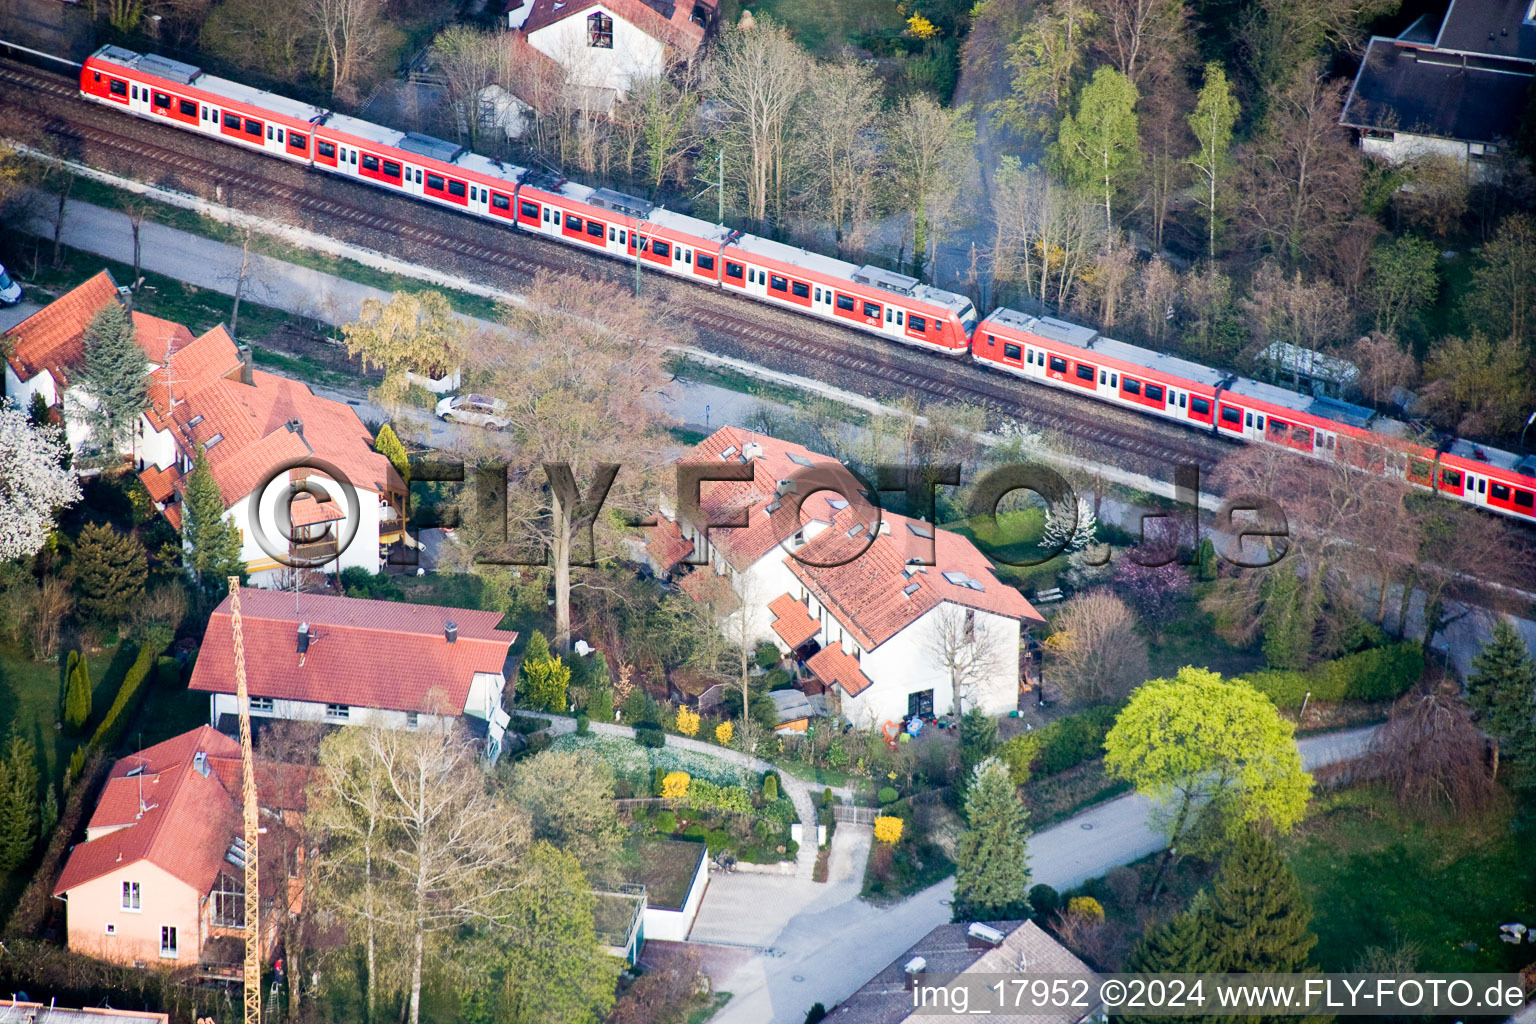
1049 351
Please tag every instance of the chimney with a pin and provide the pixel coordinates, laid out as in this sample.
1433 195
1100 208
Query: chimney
295 426
246 376
913 970
751 450
303 638
451 631
200 763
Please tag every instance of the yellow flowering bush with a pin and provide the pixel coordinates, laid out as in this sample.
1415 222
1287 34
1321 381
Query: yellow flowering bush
723 733
920 27
888 828
674 786
1086 907
687 721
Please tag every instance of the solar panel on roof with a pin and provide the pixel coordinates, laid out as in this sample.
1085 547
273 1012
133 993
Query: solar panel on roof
427 146
164 67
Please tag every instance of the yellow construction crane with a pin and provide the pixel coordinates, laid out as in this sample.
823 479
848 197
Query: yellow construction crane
248 786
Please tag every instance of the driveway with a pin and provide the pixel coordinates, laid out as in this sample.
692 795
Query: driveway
831 942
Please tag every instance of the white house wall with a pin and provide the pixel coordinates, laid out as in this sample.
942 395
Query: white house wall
308 711
634 54
484 695
363 551
21 391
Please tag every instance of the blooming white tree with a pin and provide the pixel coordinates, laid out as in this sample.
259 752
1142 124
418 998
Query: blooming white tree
1062 532
32 483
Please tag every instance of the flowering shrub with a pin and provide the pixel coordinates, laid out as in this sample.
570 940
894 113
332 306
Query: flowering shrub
675 785
705 795
687 721
723 733
920 27
1086 907
888 829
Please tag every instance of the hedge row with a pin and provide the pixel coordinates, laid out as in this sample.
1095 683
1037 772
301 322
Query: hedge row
112 724
1381 673
1065 743
30 917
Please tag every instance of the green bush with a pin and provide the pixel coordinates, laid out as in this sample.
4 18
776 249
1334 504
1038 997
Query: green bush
767 654
826 797
1044 900
583 725
791 849
779 679
167 672
1065 743
695 833
816 1014
649 734
666 823
705 795
770 787
1019 754
717 839
887 795
1381 673
538 742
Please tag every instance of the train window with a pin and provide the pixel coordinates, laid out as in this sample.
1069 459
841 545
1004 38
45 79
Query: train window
1029 357
352 155
279 135
162 99
392 170
706 262
643 244
1524 499
231 120
660 248
1450 477
188 108
818 294
1261 422
474 192
1279 428
1114 380
800 290
270 133
594 228
205 113
529 210
117 88
1058 364
502 202
734 270
418 176
1010 351
325 149
872 310
370 162
1482 486
1155 392
96 76
456 188
297 141
1249 418
688 256
613 233
778 283
1499 492
900 317
135 91
1200 405
1230 415
1103 376
574 223
1085 372
845 302
889 314
1131 387
435 182
1184 404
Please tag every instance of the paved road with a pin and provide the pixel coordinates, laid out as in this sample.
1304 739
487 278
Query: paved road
829 946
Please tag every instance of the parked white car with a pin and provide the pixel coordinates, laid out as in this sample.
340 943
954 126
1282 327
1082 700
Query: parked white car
10 291
475 410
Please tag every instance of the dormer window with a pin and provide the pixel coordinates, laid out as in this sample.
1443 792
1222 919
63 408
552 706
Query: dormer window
600 31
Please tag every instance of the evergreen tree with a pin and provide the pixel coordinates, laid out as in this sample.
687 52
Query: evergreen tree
388 445
1182 945
116 373
37 412
978 739
212 543
992 856
109 571
1260 920
1502 690
18 803
1289 615
77 692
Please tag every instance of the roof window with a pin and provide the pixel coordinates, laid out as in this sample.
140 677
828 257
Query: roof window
920 529
215 439
728 452
799 460
911 588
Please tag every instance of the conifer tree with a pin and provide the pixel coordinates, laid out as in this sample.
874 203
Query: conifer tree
212 543
1260 920
388 445
1182 945
77 692
116 374
37 411
1502 690
18 803
992 856
109 571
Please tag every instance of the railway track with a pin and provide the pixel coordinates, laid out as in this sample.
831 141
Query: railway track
439 238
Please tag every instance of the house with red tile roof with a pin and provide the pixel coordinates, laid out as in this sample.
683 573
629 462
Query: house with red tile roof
160 877
350 661
604 46
889 616
249 424
45 353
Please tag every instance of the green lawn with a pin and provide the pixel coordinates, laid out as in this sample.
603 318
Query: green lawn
823 27
1190 638
1376 876
1014 536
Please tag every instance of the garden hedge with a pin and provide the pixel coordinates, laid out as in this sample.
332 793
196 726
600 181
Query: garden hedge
1063 744
1381 673
133 681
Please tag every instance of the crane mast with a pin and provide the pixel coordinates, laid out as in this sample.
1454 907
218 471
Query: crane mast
252 976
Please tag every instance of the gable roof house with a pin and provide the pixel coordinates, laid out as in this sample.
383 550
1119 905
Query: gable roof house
603 46
160 876
350 661
850 595
45 353
249 423
1456 87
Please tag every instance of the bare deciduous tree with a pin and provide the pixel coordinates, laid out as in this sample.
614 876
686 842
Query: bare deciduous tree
470 61
931 161
1431 755
1096 652
1143 38
354 34
967 650
838 145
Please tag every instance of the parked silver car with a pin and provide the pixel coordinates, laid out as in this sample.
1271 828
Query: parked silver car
475 410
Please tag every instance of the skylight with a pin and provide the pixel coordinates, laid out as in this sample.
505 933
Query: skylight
195 420
729 452
957 578
858 528
799 460
911 588
215 439
920 529
837 504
